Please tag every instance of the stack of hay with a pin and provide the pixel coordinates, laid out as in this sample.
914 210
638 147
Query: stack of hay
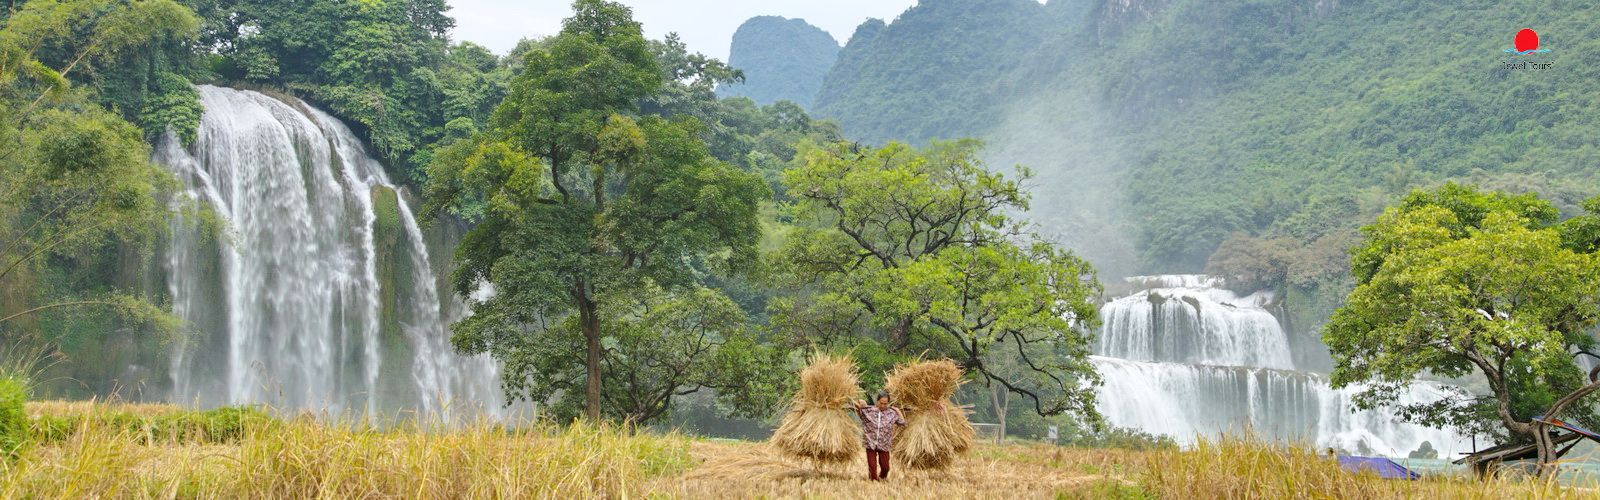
936 431
818 427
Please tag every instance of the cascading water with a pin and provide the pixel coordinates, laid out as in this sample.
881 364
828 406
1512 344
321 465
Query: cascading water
1194 323
315 291
1185 358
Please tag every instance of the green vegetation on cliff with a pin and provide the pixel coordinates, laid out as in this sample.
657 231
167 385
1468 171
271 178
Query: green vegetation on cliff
943 69
782 60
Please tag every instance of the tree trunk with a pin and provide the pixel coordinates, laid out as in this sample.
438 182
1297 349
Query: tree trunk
1001 399
1547 450
900 336
590 322
1005 407
999 411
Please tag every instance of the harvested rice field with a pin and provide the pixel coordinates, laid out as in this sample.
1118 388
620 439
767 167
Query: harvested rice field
114 451
753 470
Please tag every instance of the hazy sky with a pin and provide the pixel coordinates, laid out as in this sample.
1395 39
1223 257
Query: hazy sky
707 26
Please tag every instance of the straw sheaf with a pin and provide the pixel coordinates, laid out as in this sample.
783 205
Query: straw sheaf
829 382
937 431
921 385
817 427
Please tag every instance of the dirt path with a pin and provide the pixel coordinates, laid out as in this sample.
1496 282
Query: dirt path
752 470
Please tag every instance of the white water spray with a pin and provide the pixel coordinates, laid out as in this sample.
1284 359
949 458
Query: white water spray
287 306
1187 359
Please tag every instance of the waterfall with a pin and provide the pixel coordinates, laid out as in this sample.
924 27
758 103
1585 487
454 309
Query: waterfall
1193 323
1184 358
311 288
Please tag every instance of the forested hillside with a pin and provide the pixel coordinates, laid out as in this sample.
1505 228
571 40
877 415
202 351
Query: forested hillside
1363 227
943 69
782 59
1161 129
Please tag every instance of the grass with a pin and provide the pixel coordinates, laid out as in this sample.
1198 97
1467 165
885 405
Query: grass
13 417
150 423
1246 468
158 451
306 457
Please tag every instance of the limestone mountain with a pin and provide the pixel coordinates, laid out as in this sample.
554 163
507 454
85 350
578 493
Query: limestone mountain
782 59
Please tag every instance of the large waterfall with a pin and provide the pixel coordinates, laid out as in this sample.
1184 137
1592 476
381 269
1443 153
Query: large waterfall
312 286
1185 358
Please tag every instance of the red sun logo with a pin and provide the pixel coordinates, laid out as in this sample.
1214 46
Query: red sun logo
1526 40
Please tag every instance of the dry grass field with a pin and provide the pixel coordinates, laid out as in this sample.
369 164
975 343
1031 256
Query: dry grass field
153 451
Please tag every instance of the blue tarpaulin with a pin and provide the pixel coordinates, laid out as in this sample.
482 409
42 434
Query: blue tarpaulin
1384 467
1568 426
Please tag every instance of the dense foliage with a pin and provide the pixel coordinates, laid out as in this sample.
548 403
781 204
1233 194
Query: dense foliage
943 69
385 66
81 206
1461 283
1176 124
916 250
782 60
13 416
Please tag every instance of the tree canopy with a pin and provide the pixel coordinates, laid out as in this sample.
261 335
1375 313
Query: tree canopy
917 249
385 66
1457 282
577 199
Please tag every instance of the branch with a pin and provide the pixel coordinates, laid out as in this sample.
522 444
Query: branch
42 218
58 304
1571 397
51 243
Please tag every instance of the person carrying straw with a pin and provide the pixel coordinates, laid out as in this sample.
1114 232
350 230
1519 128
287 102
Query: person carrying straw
878 424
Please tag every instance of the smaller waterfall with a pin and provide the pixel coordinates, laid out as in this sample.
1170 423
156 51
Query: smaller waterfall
1184 319
1186 401
1185 358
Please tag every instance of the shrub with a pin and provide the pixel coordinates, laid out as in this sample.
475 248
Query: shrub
1121 438
13 415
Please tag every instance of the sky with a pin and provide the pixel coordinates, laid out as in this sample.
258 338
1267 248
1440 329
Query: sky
706 26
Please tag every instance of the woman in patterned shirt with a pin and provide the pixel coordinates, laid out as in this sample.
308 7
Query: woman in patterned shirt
877 424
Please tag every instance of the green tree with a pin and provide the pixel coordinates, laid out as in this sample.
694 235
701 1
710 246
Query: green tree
575 197
385 66
1457 282
1582 233
658 345
918 249
75 179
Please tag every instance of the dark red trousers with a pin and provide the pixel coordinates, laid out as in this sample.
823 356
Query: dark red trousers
877 464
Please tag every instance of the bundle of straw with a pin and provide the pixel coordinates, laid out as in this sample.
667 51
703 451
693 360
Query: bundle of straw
936 431
817 426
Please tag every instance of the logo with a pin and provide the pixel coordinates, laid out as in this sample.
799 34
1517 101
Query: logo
1526 42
